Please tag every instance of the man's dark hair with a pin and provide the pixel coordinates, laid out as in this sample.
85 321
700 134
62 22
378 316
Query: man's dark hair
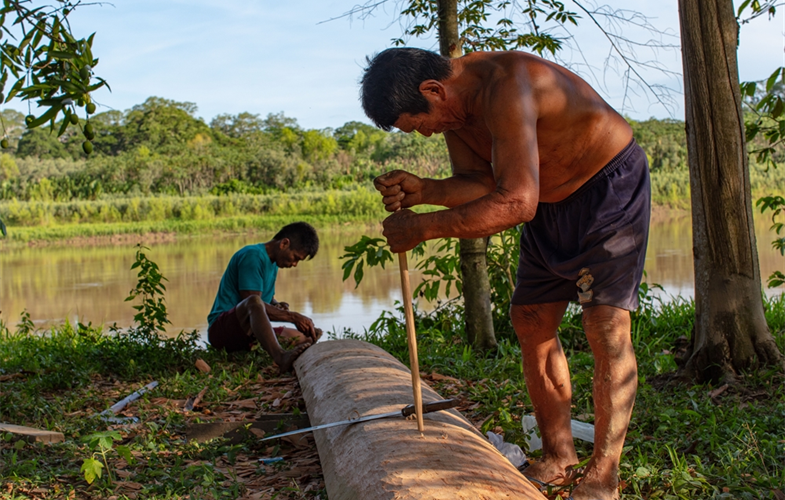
302 236
390 85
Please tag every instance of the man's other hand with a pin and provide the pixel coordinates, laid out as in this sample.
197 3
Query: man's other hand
305 325
400 189
282 305
399 229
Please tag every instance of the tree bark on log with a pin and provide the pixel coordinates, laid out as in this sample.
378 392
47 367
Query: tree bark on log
730 333
389 458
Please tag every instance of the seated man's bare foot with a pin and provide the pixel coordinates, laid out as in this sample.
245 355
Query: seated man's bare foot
551 472
286 360
319 334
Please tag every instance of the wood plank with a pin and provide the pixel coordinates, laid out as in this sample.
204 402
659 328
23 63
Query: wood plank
32 434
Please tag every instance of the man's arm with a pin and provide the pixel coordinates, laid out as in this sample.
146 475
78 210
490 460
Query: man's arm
512 120
303 323
472 178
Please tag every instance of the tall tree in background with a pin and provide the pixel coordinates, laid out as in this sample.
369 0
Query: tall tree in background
478 317
730 333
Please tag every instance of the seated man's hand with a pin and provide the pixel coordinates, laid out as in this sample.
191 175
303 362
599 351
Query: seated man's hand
305 325
282 305
400 189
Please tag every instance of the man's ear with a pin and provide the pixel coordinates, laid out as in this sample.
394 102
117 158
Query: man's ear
284 243
433 89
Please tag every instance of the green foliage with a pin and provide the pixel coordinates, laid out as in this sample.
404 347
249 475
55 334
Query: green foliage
46 62
151 316
776 204
370 251
103 442
765 119
440 270
473 23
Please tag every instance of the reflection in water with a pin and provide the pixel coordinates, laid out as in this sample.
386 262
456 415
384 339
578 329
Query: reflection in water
89 284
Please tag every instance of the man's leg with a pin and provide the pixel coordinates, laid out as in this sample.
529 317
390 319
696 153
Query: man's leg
253 318
615 383
548 382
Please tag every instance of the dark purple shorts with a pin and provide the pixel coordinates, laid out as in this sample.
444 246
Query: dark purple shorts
590 247
227 333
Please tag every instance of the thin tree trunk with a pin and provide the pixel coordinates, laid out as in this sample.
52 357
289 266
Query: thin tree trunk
478 319
730 332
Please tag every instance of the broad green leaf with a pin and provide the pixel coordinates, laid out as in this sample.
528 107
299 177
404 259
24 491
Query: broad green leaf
772 79
91 468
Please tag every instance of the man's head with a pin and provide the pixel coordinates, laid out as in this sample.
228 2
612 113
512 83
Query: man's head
293 243
390 85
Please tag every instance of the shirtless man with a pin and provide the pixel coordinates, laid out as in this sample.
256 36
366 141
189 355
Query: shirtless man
531 142
245 303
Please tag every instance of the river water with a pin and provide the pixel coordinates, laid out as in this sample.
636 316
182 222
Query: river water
90 283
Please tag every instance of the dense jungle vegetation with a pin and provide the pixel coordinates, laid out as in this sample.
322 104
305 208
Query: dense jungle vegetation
159 161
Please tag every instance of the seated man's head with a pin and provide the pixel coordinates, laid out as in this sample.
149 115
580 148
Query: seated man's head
391 83
293 243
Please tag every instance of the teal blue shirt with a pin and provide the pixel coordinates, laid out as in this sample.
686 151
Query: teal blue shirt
250 269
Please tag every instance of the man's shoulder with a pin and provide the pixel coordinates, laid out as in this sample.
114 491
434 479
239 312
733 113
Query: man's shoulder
251 253
255 249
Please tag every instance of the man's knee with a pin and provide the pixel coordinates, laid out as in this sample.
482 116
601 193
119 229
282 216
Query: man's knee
531 322
250 305
607 329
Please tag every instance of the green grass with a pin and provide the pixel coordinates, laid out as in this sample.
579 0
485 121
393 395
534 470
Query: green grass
358 201
21 235
61 378
683 442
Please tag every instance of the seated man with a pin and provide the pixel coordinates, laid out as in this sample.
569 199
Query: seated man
245 303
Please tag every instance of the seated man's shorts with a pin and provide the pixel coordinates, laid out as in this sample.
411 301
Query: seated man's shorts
591 246
227 333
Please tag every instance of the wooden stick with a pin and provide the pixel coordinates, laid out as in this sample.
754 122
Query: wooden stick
411 337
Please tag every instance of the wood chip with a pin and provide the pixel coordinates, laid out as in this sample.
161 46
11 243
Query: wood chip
202 366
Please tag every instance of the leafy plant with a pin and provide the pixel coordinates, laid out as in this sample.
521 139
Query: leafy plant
49 64
25 325
92 468
441 269
370 251
776 204
477 34
152 315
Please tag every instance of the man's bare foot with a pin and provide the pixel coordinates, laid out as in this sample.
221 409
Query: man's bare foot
597 484
319 334
286 360
551 472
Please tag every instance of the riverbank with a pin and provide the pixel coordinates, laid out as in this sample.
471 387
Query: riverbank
685 441
147 232
124 233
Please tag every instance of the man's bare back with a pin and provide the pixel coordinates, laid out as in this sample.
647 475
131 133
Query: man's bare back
577 132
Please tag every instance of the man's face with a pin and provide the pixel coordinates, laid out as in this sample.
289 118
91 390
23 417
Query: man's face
426 124
288 256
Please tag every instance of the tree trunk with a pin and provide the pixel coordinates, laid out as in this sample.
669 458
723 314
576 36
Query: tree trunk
478 320
388 459
730 331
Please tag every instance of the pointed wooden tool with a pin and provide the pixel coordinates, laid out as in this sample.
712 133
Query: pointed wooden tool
411 337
